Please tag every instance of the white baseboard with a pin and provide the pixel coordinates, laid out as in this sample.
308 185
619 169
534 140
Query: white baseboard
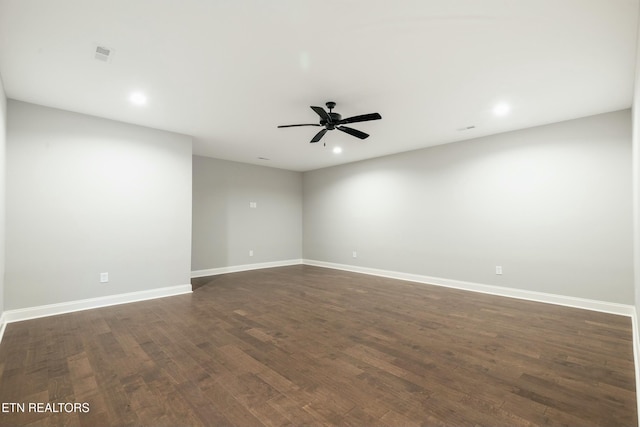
587 304
3 326
636 357
67 307
20 314
244 267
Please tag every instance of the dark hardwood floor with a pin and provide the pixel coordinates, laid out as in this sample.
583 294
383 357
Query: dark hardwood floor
304 345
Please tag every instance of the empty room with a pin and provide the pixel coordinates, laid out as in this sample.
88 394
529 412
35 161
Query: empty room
286 213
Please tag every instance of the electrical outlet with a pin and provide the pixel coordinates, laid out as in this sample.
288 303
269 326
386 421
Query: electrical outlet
104 277
498 269
355 254
251 252
253 205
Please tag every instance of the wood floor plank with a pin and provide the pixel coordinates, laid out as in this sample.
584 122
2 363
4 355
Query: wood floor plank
304 345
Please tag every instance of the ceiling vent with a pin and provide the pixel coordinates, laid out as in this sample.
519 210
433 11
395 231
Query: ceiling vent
103 53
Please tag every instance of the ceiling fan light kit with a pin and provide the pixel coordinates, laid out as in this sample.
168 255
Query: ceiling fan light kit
330 121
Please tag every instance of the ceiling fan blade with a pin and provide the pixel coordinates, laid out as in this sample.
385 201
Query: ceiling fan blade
362 118
323 114
292 126
319 135
354 132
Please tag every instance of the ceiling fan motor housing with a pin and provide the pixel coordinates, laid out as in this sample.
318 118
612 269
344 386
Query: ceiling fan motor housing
335 118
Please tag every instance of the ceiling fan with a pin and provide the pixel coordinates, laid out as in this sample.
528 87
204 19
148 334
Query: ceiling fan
332 121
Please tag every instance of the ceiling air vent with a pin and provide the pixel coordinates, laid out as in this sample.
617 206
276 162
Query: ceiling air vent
103 53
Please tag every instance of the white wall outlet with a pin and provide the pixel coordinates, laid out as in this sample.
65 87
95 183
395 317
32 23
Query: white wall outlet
104 277
250 252
498 269
355 254
253 205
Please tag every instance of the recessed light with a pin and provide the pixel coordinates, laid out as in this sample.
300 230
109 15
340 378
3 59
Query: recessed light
337 150
138 98
501 109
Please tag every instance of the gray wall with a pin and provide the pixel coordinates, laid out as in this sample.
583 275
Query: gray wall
3 144
87 195
552 205
636 195
225 228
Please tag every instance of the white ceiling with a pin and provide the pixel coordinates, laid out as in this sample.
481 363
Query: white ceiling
228 72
